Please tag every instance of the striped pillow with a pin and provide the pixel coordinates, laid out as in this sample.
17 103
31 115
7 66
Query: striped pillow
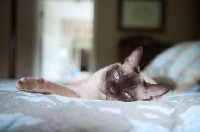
180 62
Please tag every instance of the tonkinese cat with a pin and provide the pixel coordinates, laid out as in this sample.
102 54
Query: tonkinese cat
120 81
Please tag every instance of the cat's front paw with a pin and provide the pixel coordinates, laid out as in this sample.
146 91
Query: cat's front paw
29 84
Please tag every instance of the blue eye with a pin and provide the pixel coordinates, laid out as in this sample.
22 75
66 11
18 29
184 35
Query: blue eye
116 75
127 94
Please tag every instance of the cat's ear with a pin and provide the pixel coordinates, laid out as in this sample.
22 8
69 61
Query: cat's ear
135 57
154 90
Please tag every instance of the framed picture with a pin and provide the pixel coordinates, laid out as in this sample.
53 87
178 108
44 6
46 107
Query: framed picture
141 15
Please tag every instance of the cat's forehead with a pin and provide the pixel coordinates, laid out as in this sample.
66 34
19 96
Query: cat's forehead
127 73
123 69
126 68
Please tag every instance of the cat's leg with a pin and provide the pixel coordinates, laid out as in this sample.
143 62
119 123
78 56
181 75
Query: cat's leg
42 86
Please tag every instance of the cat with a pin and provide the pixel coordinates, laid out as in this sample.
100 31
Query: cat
121 81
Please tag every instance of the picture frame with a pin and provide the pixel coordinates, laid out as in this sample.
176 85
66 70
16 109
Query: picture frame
141 15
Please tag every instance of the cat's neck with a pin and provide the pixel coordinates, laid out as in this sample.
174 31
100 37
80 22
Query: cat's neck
91 87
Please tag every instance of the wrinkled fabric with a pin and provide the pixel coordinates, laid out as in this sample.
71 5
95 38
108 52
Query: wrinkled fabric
22 111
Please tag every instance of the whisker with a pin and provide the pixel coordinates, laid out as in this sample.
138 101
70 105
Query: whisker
87 68
96 63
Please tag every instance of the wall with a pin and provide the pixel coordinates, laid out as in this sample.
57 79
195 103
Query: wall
25 37
182 24
4 36
26 11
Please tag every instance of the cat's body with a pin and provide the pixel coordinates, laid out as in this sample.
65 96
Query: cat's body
120 81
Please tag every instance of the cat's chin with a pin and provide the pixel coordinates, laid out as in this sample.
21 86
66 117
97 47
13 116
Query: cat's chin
102 96
111 98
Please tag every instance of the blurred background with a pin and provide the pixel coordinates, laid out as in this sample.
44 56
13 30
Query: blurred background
65 40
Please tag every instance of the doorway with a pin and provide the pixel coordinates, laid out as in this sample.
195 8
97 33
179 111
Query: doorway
67 41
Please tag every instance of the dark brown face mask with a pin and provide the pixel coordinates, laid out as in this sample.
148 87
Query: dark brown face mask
124 82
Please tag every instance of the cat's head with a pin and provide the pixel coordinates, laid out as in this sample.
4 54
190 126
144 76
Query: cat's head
124 82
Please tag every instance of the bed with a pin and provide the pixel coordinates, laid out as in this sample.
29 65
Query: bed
175 111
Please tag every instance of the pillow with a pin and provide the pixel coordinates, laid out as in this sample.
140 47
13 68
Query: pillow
180 62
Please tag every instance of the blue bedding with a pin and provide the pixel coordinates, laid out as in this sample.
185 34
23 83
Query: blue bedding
22 111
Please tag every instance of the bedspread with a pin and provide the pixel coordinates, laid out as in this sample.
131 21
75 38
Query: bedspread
22 111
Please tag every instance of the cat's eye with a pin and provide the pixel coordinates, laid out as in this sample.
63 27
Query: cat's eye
116 75
127 94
